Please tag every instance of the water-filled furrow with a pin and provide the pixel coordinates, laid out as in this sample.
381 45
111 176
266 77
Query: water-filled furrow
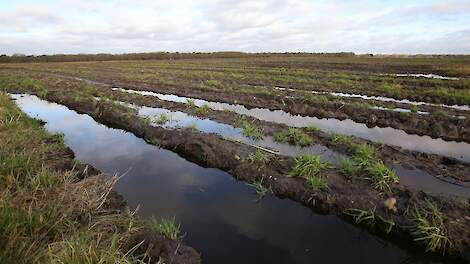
410 177
426 75
404 110
220 216
388 135
378 98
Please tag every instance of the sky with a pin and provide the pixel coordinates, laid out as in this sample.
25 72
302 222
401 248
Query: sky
124 26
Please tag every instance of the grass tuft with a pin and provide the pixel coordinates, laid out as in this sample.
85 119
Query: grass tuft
309 167
167 227
261 191
339 139
360 215
429 228
380 175
348 168
293 136
250 131
162 119
203 110
313 129
259 157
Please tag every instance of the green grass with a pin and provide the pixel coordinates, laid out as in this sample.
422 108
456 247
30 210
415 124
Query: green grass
203 110
361 216
348 168
146 120
380 175
316 99
250 131
162 119
439 114
309 167
364 159
261 191
389 88
363 153
212 83
293 136
317 182
190 103
429 228
414 109
167 227
339 139
312 128
259 157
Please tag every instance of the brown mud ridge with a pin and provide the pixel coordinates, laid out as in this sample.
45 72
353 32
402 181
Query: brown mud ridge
436 165
155 245
339 199
450 129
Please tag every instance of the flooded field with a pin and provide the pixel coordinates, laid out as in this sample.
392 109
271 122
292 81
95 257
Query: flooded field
458 150
215 210
282 159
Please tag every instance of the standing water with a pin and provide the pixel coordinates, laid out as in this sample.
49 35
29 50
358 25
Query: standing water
221 217
387 135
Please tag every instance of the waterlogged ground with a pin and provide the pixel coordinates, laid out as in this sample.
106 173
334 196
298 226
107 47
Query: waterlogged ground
410 107
221 217
391 136
411 177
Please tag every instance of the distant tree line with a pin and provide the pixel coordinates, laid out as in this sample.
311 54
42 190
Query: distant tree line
19 58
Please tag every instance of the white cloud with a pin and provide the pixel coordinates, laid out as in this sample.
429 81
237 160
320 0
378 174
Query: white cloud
73 26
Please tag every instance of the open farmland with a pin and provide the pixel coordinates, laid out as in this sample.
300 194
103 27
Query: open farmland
261 158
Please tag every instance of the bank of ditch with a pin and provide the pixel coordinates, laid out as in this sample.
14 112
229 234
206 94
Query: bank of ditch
56 210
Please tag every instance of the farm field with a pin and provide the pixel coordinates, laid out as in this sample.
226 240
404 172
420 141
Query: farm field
268 158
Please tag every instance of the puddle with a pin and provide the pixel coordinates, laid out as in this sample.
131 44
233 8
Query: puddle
388 135
399 110
218 214
426 75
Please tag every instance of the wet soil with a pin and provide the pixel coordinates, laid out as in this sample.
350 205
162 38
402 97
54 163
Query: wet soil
221 217
213 151
447 127
439 166
451 129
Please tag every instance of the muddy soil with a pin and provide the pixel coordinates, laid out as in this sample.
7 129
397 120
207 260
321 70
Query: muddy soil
212 151
439 166
447 128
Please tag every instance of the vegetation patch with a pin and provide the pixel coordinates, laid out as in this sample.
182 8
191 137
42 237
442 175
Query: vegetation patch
249 130
259 157
167 227
429 228
203 110
293 136
162 119
261 191
309 167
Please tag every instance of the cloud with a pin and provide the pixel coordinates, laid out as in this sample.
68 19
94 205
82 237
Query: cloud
73 26
27 18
